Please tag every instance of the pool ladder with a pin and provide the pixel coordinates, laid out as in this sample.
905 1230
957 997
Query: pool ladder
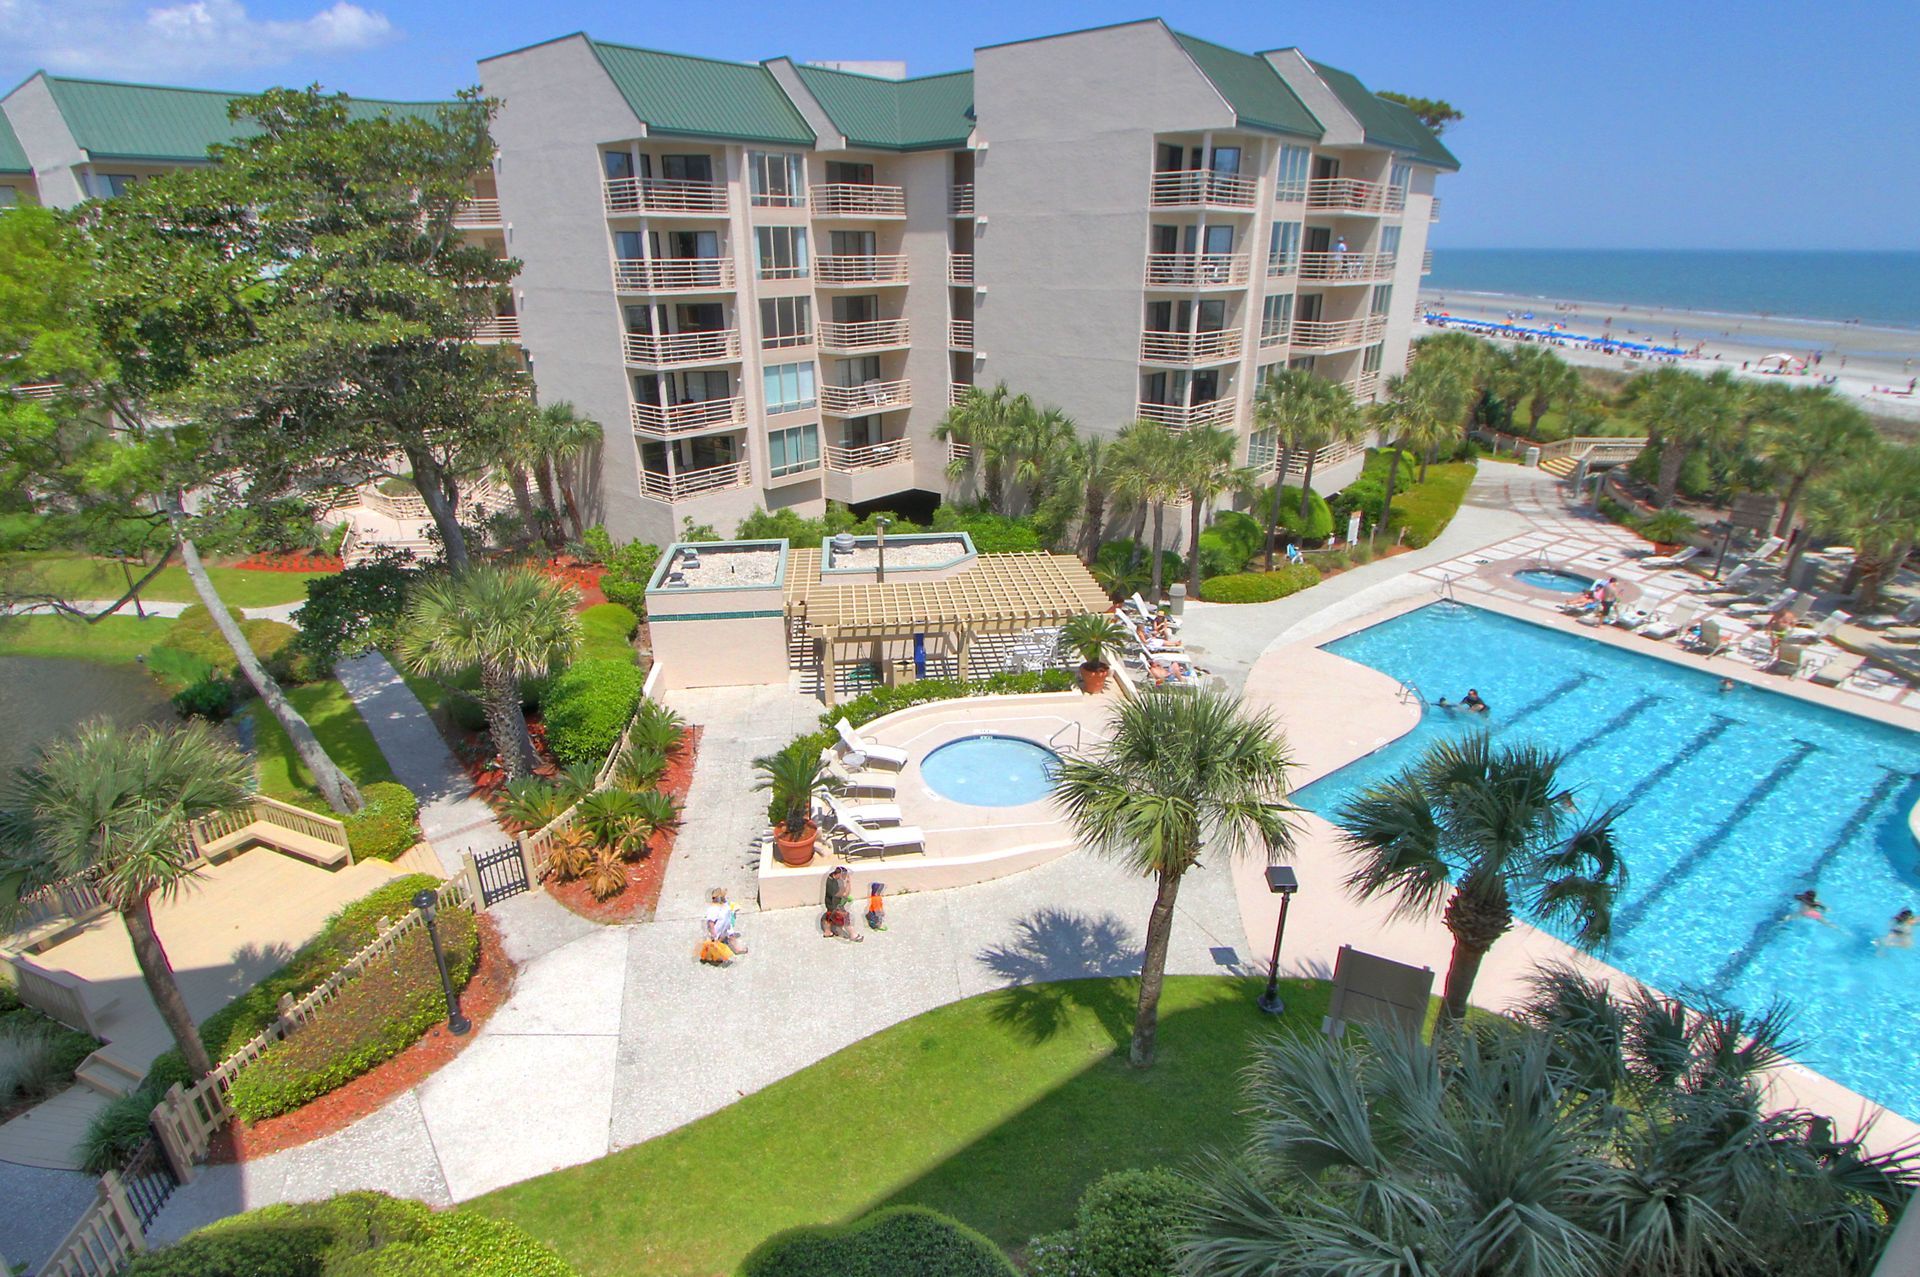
1054 740
1411 694
1446 589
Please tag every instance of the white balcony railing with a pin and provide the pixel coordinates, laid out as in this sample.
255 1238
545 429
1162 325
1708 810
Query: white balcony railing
956 391
688 483
960 202
39 390
876 334
1217 412
1196 270
1351 195
1190 348
1326 458
960 269
666 196
1433 214
865 268
673 274
477 213
1275 334
959 452
1318 334
1426 262
1347 268
1364 386
1185 188
850 199
660 350
663 421
870 457
872 397
499 328
960 334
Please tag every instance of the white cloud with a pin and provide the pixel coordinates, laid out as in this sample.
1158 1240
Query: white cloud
116 37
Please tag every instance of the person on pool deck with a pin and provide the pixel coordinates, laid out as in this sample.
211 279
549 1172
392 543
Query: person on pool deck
1900 933
1471 702
1807 904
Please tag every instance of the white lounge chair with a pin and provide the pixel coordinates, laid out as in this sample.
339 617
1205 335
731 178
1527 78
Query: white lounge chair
1755 607
1668 622
859 838
1681 559
872 751
857 782
1909 615
1731 584
1824 628
844 813
1147 612
1768 548
1713 640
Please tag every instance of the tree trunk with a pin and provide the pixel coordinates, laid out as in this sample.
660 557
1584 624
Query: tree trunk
339 791
441 497
550 526
161 986
1306 494
523 499
1386 506
1536 413
1153 971
1673 459
1273 510
1788 501
1096 516
1426 459
1462 970
1477 918
506 723
1193 545
1159 528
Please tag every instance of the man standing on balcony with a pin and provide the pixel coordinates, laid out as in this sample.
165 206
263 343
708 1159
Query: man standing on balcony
1340 255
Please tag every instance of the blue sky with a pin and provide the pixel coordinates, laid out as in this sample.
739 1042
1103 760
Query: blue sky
1620 124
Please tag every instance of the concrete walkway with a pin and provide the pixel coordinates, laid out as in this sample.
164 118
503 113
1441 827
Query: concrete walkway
275 612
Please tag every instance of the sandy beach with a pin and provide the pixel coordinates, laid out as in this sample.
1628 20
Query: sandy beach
1865 361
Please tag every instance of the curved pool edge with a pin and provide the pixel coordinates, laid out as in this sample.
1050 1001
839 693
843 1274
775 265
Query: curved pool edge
1032 787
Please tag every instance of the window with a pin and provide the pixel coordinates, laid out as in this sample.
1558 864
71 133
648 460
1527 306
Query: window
1382 299
1226 159
1401 177
1283 248
780 252
1389 240
1263 448
778 179
1371 359
789 387
786 321
8 197
618 164
793 450
1290 187
103 186
629 246
1276 319
848 174
687 168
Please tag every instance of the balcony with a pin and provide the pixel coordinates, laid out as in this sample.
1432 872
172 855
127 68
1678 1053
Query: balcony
1318 334
476 214
498 329
960 200
1433 213
1275 334
691 483
666 196
1281 265
849 199
665 350
878 334
1426 262
1203 188
869 472
1351 195
1347 268
1196 270
959 453
1216 412
1363 387
957 391
865 400
960 334
859 271
960 269
1186 349
673 274
39 391
664 421
1325 459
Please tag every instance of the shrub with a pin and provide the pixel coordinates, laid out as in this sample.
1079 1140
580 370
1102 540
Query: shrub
595 545
351 611
1125 1226
586 707
1112 559
885 700
763 525
28 1067
532 803
179 669
606 630
195 637
1260 587
629 568
115 1131
656 729
887 1243
386 826
1425 509
380 1013
1367 495
995 533
211 698
1317 526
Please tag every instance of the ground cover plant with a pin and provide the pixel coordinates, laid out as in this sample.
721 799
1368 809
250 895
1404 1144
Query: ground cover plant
37 1054
899 1239
334 719
80 576
1260 587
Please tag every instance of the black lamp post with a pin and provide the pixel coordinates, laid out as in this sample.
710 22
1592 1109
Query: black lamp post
880 526
1282 882
426 900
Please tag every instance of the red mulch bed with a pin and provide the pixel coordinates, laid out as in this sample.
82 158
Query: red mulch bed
584 577
641 896
492 982
292 561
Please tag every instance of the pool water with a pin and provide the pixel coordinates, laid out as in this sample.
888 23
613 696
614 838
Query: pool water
990 771
1735 801
1553 579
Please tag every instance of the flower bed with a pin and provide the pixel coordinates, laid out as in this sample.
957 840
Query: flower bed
645 875
292 561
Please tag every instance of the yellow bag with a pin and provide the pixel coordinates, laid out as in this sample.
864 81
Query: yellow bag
715 951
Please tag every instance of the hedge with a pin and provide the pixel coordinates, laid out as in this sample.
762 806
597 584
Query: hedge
887 1243
354 1235
386 826
881 701
1317 526
1425 509
195 641
586 707
381 1012
629 568
1260 587
606 631
1126 1226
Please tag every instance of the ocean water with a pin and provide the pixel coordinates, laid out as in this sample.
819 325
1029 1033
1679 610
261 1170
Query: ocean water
1873 287
1734 802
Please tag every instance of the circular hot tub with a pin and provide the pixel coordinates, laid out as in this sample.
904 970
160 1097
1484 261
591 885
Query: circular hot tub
1553 579
990 770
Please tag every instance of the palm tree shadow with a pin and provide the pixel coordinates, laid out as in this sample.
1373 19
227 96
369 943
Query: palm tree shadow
1059 960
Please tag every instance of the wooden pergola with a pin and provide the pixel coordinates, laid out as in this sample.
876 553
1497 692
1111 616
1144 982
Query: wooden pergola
996 594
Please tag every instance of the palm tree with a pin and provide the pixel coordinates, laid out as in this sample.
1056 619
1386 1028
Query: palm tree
1095 472
1477 826
1286 403
1464 361
1339 421
1417 413
1874 506
112 806
1146 468
1036 439
561 436
1180 771
512 622
1207 469
1818 433
1540 372
982 422
1682 414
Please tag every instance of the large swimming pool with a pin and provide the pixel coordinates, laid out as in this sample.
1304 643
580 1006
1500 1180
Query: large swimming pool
1736 800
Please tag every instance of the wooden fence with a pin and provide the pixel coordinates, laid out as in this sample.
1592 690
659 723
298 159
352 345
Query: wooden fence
536 848
105 1240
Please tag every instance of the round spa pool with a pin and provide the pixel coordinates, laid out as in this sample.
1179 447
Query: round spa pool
990 771
1553 579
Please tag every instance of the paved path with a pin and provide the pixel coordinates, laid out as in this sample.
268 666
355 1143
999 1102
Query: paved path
276 612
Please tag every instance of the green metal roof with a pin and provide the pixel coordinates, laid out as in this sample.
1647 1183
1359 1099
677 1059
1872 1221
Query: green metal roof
149 122
927 113
700 97
1384 123
1427 146
12 158
1255 91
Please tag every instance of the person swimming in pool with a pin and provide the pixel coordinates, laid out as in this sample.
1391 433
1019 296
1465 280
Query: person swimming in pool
1900 933
1807 904
1471 702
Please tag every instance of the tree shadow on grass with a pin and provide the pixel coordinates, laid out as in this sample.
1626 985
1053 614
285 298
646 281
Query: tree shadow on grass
1059 960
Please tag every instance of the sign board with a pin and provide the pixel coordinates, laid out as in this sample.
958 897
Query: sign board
1754 511
1353 527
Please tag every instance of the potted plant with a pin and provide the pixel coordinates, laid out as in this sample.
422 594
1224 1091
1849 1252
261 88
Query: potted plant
1091 636
1666 529
790 777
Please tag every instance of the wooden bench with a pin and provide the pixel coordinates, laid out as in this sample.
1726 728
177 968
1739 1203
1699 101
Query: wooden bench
305 847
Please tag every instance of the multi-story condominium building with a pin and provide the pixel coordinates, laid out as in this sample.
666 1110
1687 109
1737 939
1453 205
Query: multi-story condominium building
769 281
16 174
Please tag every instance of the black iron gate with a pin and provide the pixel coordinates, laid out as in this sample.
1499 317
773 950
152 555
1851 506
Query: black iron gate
503 873
148 1179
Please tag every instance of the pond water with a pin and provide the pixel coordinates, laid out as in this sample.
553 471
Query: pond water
42 697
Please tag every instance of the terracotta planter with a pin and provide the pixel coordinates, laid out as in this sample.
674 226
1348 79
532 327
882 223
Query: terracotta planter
1665 547
795 852
1093 678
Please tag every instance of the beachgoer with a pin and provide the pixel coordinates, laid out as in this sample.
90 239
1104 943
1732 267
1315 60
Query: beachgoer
1471 702
722 926
1900 931
877 906
1726 685
1807 904
836 922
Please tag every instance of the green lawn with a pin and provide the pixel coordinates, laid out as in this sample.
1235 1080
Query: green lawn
999 1110
77 576
1425 509
116 640
330 712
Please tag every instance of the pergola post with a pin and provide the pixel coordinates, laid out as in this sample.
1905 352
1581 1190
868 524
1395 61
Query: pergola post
966 643
826 667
